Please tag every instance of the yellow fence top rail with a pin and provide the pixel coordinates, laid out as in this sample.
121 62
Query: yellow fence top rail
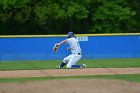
114 34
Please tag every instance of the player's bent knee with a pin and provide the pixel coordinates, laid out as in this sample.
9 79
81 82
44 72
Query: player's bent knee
65 61
68 66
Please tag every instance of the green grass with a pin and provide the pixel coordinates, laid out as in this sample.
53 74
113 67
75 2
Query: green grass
97 63
127 77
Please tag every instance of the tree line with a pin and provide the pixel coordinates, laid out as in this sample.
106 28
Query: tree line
62 16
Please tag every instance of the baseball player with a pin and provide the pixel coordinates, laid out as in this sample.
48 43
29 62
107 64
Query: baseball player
76 55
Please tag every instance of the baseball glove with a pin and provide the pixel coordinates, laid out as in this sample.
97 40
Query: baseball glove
55 48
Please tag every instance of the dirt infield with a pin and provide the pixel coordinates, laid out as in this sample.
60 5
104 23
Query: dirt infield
68 72
70 85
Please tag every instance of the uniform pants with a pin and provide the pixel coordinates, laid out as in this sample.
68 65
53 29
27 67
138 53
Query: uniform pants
72 59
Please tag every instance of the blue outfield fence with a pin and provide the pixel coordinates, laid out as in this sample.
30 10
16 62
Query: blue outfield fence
93 46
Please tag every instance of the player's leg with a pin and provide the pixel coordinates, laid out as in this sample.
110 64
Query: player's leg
65 61
74 59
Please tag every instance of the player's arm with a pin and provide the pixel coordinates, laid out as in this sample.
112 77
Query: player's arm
62 42
56 46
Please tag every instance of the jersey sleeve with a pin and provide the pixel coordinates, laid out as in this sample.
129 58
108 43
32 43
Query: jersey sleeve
67 41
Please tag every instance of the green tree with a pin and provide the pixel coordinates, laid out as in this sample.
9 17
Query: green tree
135 5
113 17
61 16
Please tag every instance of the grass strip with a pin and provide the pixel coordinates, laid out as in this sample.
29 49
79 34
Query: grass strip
126 77
51 64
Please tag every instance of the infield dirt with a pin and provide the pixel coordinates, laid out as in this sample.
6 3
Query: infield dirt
68 72
72 86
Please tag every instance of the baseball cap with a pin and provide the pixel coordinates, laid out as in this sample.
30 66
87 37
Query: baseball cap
70 34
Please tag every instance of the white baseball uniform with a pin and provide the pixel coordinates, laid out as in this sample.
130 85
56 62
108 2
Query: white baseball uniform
76 52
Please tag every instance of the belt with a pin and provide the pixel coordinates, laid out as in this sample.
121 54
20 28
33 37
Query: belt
78 53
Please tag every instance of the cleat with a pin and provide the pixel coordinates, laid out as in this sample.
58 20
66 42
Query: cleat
58 67
84 65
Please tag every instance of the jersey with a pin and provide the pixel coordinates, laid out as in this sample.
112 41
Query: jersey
74 45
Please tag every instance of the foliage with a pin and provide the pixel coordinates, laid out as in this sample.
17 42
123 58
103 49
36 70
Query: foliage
61 16
112 17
